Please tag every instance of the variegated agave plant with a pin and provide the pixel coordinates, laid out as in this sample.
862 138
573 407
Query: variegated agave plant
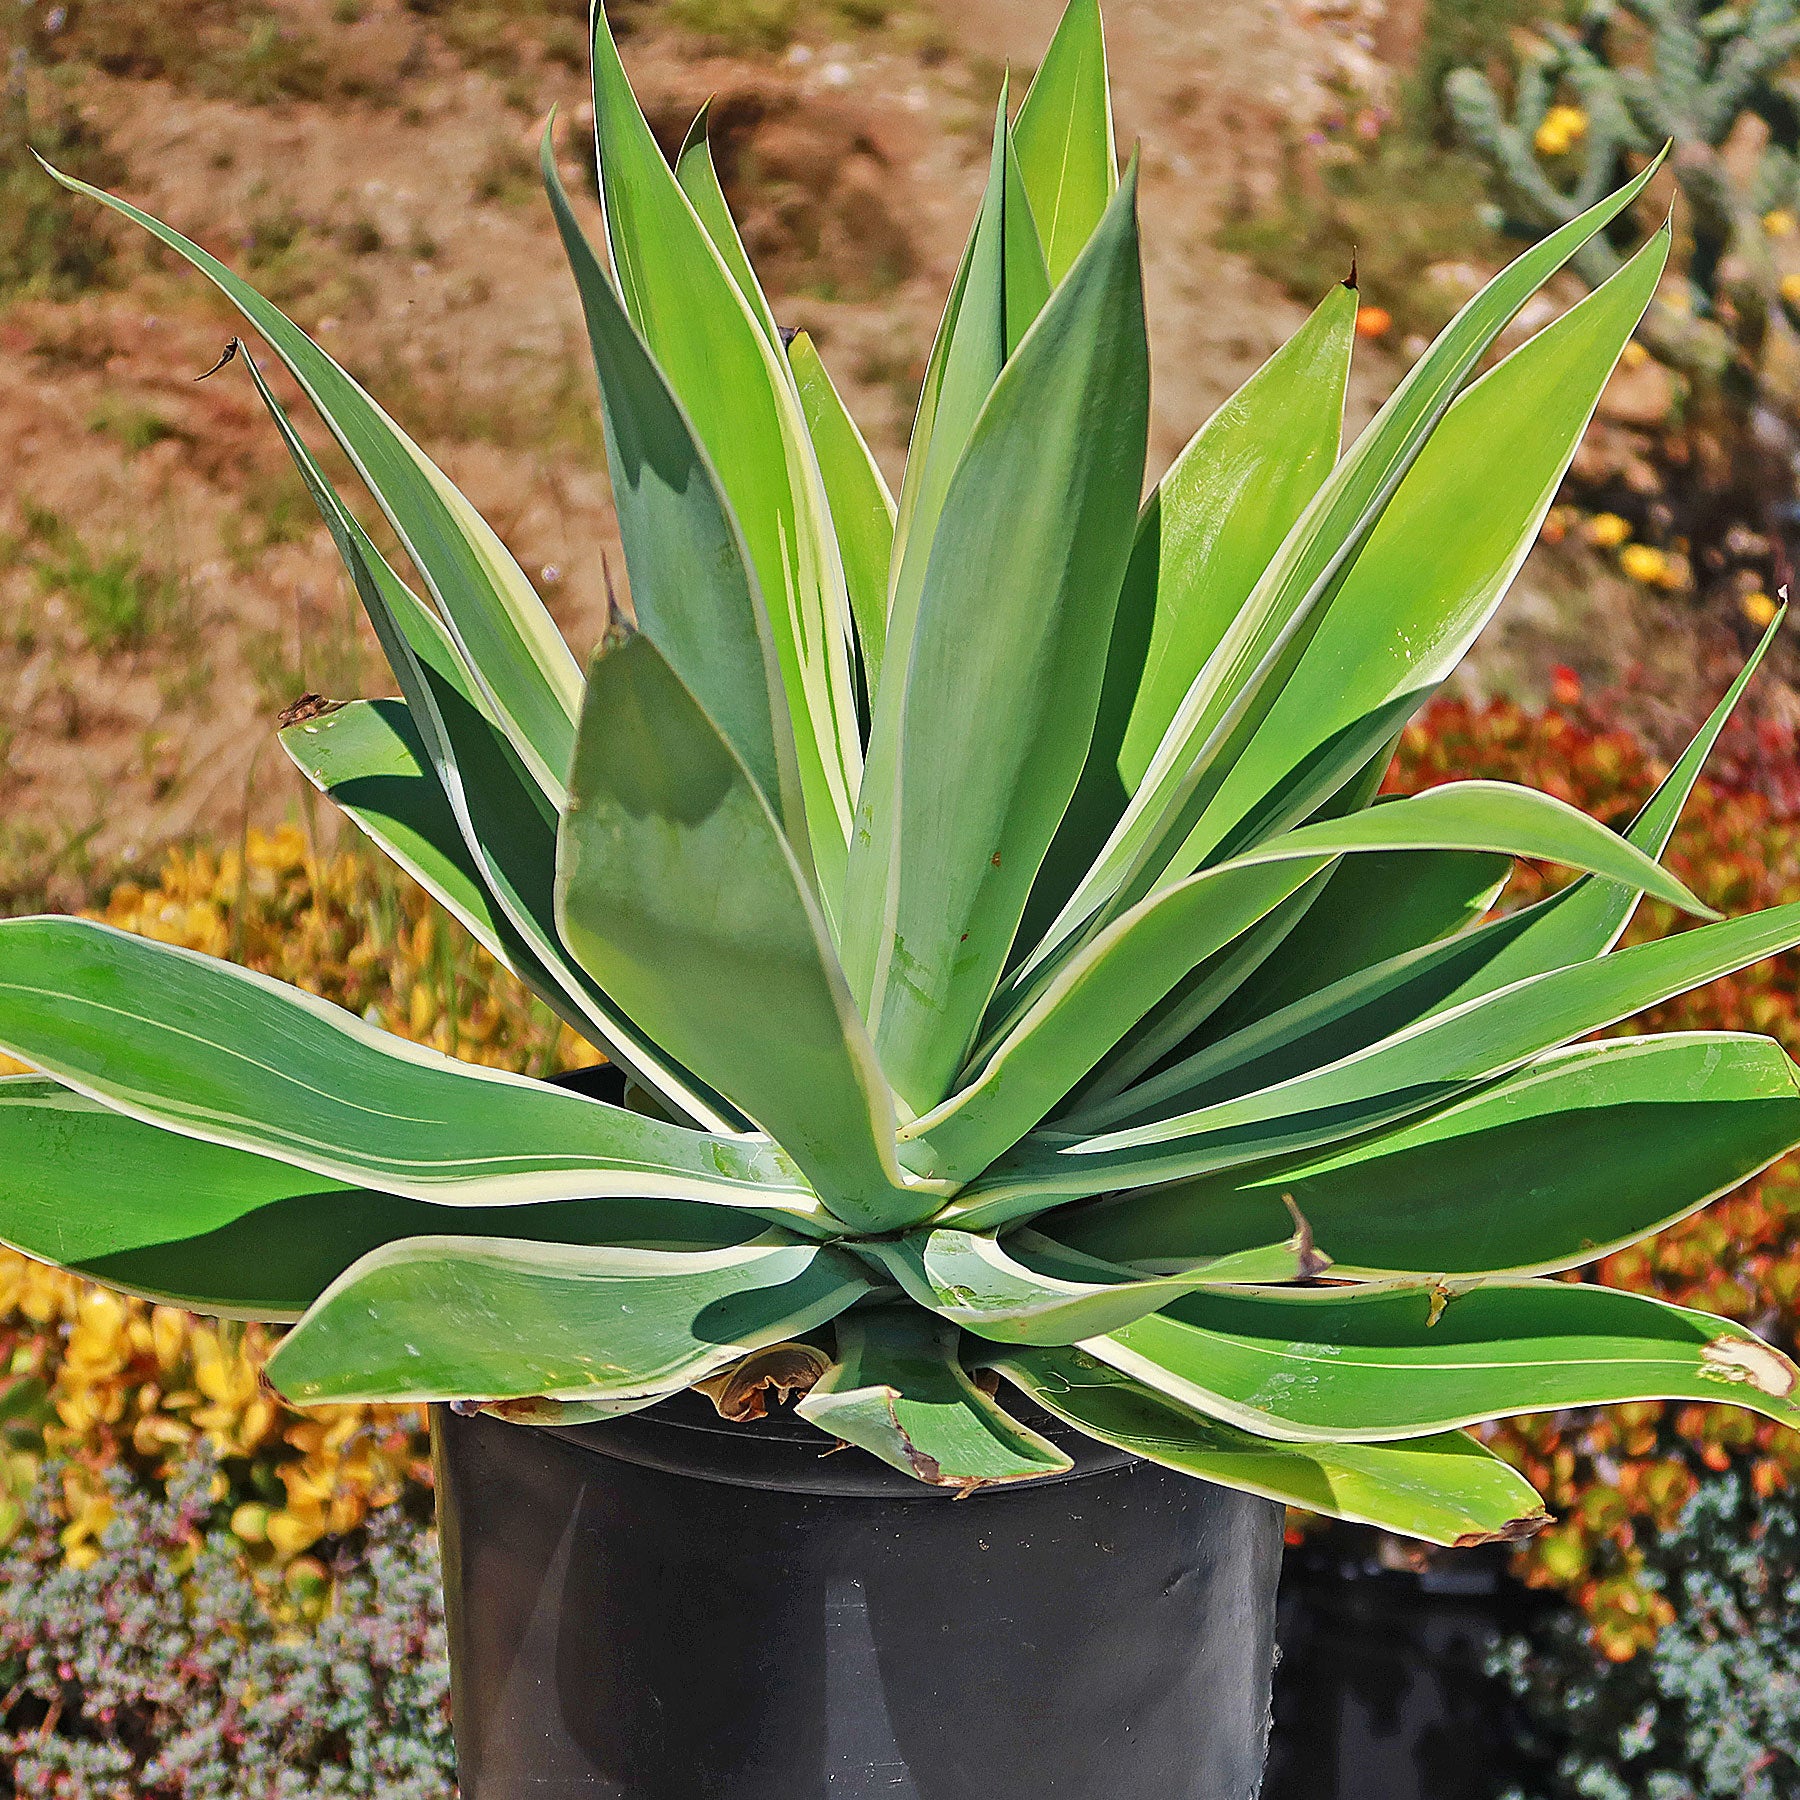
983 901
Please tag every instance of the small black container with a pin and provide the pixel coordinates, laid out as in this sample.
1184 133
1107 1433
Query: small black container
1382 1691
670 1607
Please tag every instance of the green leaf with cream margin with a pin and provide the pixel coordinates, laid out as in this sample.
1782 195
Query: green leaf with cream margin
1364 1365
1204 536
216 1230
1426 1065
899 1391
1243 675
1368 1003
450 1318
1068 159
734 386
1444 1488
507 822
680 894
222 1053
1575 1156
974 758
1099 995
982 1285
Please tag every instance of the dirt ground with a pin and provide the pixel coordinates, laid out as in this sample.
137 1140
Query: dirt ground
164 587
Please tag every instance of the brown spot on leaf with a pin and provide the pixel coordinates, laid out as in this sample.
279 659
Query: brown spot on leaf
1749 1360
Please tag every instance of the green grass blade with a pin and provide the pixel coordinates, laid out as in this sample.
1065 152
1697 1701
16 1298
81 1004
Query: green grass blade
1099 995
1577 1155
1216 519
447 1318
734 386
1266 640
1444 1488
679 893
862 509
993 707
1064 134
216 1230
898 1391
502 628
693 590
220 1053
1367 1365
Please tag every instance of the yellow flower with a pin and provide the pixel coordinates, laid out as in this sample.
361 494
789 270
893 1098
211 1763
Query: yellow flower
1607 530
1779 223
1759 609
1644 564
1563 128
1790 289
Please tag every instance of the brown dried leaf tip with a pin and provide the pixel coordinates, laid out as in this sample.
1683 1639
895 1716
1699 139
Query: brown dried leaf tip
1312 1262
231 351
1515 1531
308 706
786 1371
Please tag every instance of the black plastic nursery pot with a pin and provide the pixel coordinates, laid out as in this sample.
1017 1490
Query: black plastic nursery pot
668 1606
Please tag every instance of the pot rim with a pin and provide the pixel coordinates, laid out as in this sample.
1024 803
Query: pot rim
685 1435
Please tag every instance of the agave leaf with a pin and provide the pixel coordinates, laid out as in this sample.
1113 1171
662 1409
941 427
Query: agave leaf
366 758
698 177
1421 1067
1265 641
679 893
1370 1364
505 634
693 590
1432 1061
507 821
1064 134
996 1290
1586 919
1206 534
1372 908
1101 993
994 703
733 384
1435 567
1444 1488
898 1391
224 1054
1576 1155
862 509
1358 1009
218 1230
445 1318
998 290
